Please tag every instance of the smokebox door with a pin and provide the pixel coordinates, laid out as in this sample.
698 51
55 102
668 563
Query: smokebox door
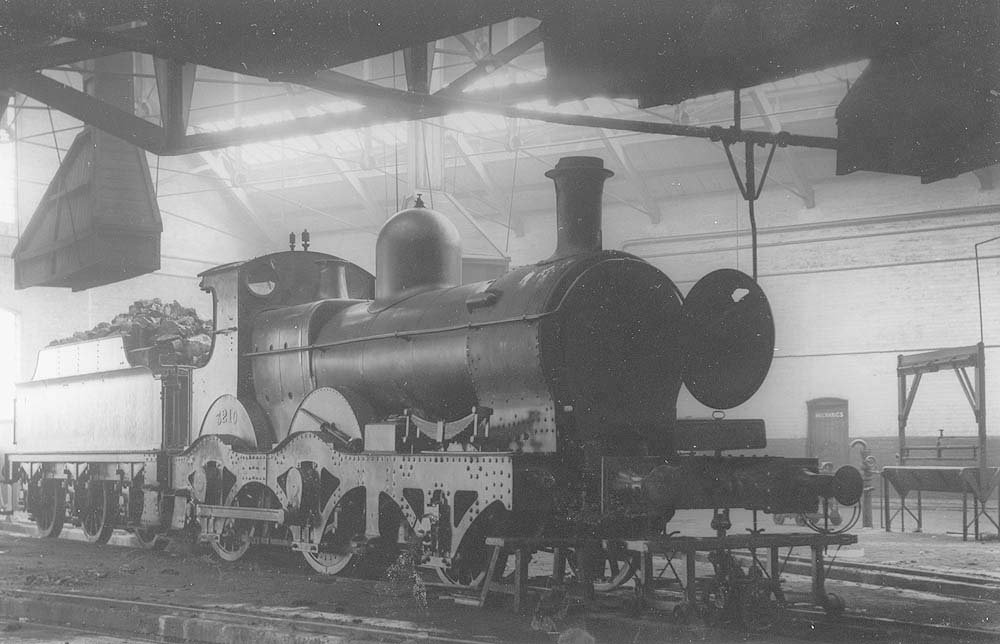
728 338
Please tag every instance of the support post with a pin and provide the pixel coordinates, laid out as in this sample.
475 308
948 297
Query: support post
818 576
920 511
965 516
586 557
647 574
901 417
558 565
689 575
981 408
774 563
490 571
521 559
975 518
886 503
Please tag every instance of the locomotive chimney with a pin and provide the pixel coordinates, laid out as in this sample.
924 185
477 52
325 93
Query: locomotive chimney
579 189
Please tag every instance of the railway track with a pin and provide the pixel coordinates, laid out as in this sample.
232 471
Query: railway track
173 622
854 627
227 619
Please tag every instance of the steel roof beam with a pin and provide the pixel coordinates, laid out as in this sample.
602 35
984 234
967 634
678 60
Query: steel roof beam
88 109
427 106
174 85
384 104
488 64
36 58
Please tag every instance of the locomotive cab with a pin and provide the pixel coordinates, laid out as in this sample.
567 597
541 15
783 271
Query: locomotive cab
272 292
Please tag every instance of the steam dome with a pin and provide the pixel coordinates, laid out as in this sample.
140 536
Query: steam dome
417 249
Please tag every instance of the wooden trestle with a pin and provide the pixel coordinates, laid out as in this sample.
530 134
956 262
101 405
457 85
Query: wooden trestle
667 546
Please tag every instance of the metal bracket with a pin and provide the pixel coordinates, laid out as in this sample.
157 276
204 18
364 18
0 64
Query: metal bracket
750 189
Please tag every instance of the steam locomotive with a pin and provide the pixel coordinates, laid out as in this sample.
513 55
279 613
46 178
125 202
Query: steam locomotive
339 415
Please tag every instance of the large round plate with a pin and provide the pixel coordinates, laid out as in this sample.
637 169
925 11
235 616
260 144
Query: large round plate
229 417
327 405
728 337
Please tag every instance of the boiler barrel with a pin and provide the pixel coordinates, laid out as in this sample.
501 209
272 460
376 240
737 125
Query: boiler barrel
586 343
412 355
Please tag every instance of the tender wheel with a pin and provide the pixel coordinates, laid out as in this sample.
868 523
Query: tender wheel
96 517
336 546
50 511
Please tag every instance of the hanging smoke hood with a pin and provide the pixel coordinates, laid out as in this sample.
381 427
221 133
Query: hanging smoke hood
98 222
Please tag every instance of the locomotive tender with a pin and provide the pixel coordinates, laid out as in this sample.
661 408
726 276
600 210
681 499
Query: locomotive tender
338 414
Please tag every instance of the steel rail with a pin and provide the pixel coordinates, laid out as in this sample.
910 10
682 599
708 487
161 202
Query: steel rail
917 630
298 621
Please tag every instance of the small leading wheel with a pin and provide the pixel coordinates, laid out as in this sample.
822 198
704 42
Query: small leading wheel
96 517
50 511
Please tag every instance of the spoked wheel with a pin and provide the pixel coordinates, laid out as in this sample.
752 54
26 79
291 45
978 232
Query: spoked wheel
234 541
50 511
611 568
234 537
336 547
97 515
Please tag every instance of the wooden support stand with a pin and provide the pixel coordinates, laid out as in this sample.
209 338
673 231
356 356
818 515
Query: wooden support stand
586 550
522 549
670 547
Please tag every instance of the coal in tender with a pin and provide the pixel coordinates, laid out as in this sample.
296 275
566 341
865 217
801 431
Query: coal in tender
156 334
